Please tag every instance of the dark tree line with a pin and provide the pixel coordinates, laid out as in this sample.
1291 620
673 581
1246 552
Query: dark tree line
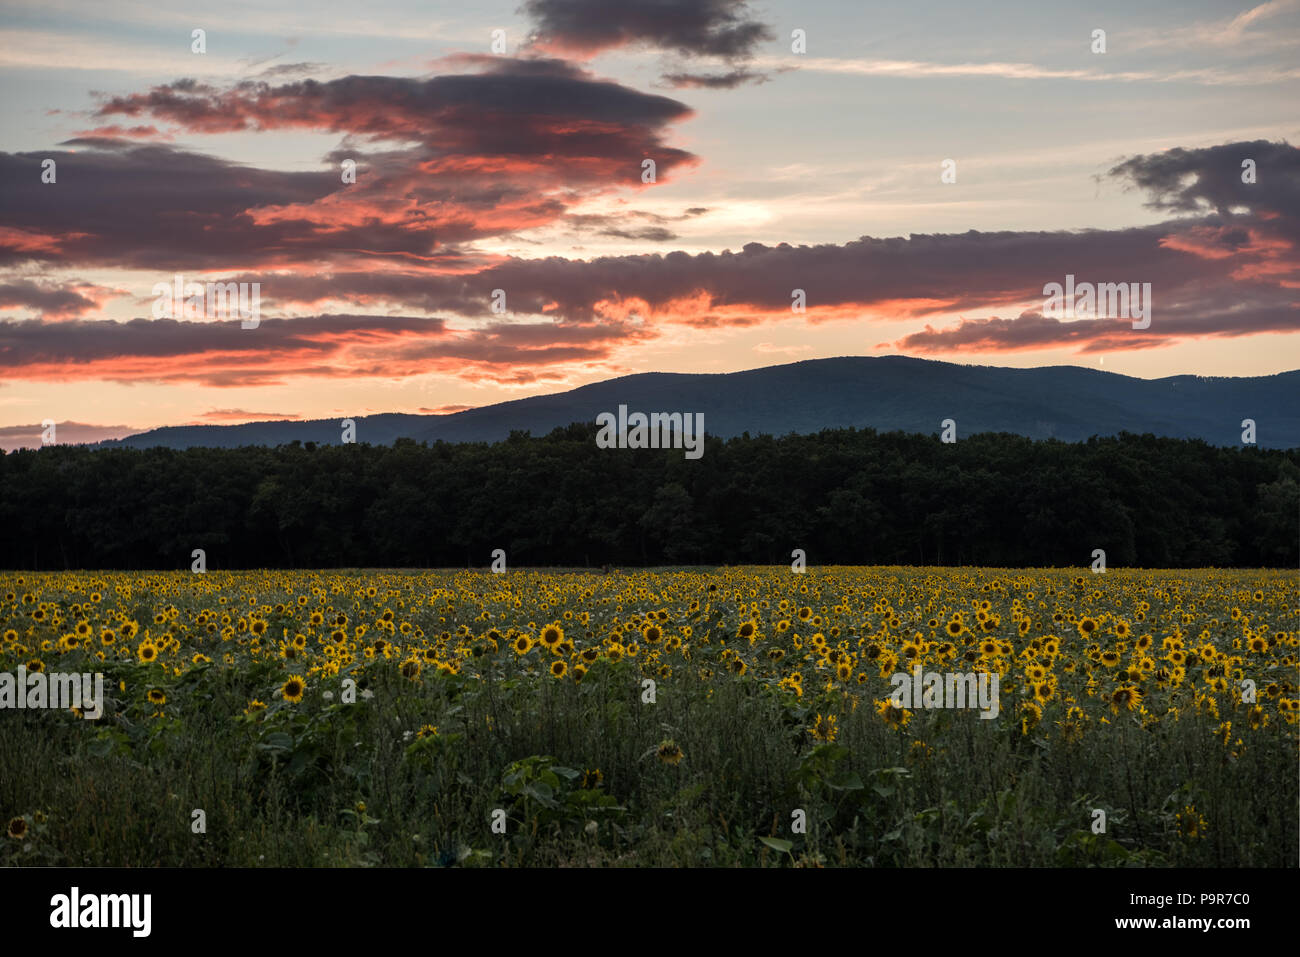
844 496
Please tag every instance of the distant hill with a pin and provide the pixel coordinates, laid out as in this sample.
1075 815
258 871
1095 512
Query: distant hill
886 393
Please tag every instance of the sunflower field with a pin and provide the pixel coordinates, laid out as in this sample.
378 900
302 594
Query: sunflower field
671 717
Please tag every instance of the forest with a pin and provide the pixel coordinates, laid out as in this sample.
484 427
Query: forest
844 496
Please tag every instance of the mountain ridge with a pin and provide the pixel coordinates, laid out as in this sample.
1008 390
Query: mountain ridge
887 393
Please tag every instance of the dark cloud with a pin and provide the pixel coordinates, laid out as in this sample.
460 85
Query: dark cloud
723 28
894 278
54 300
919 274
714 81
510 106
654 234
293 69
1210 180
1232 313
1228 270
223 354
488 153
148 207
1192 180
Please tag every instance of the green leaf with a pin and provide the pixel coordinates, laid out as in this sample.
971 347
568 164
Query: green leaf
778 844
276 741
846 782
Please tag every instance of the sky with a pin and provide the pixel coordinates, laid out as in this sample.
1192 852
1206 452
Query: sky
445 205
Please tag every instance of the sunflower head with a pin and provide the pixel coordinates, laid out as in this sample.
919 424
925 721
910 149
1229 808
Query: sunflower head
668 752
1126 697
293 689
823 728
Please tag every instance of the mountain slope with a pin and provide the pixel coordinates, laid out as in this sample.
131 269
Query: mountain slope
886 393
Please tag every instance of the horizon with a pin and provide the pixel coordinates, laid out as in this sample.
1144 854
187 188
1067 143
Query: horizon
13 438
867 171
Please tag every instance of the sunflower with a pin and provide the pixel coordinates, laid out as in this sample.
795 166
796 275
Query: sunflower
551 636
147 652
522 645
892 714
1087 626
1190 824
558 669
17 828
1030 715
668 752
747 630
824 728
592 779
293 689
1125 697
156 696
652 634
411 669
427 731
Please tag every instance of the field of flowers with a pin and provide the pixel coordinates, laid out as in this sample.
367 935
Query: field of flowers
735 716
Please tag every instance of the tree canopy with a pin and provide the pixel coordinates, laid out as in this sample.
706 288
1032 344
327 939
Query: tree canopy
844 496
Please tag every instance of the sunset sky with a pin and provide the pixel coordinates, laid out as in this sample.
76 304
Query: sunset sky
523 171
